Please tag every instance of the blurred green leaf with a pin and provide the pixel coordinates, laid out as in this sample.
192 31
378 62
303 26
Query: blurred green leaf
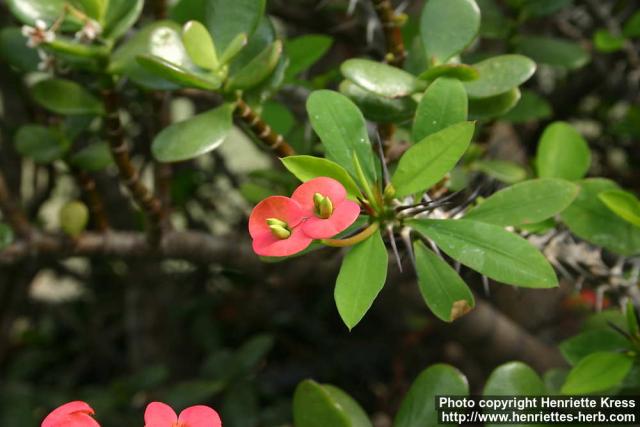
461 72
494 24
121 15
378 108
598 372
443 104
225 22
6 236
304 51
193 392
14 50
93 158
553 51
502 170
65 97
530 107
318 405
257 70
279 117
514 379
562 153
28 11
500 74
234 48
197 41
606 42
623 204
309 167
42 144
580 346
178 74
381 79
632 26
494 106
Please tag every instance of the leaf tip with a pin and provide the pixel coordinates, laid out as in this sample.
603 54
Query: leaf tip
459 309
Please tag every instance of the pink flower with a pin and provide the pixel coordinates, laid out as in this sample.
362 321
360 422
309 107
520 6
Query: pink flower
328 210
72 414
160 414
274 227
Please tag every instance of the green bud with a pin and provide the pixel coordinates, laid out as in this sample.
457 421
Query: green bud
389 193
276 221
280 232
323 206
74 217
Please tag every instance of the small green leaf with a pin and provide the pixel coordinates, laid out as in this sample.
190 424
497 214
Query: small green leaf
553 51
309 167
121 15
226 21
197 41
500 74
580 346
42 144
606 42
419 409
443 290
14 50
320 405
195 136
632 26
304 51
381 79
342 130
357 416
178 74
590 219
6 236
597 373
93 158
257 70
502 170
514 379
528 202
379 108
530 107
490 250
494 106
361 278
428 161
443 104
633 323
623 204
65 97
562 153
461 72
234 48
447 27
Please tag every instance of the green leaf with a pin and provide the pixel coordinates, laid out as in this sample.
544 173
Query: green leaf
14 50
261 39
279 117
318 405
304 51
447 27
342 130
379 108
308 167
29 11
606 42
494 106
461 72
531 107
93 8
42 144
381 79
193 137
495 24
580 346
197 41
490 250
226 21
443 290
597 373
500 74
234 48
178 74
528 202
562 153
590 219
121 15
553 51
538 8
418 408
257 70
65 97
633 323
6 236
502 170
361 278
443 104
93 158
514 379
623 204
632 26
428 161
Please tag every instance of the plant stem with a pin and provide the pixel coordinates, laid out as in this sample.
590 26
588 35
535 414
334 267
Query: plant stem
361 236
389 21
94 201
12 212
262 130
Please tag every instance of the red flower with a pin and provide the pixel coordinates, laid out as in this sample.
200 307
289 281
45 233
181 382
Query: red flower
160 414
274 227
328 210
72 414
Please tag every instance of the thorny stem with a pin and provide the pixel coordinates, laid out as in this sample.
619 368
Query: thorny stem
262 130
361 236
12 212
94 201
391 24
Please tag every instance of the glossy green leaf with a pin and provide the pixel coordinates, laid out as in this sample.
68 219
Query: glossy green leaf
197 41
304 51
308 167
500 74
183 11
6 236
494 106
632 26
261 39
528 202
93 158
562 153
42 144
65 97
379 108
490 250
597 373
381 79
494 25
178 74
590 219
28 11
623 204
121 15
553 51
514 379
447 27
95 9
319 405
580 346
257 70
225 20
361 278
606 42
193 137
530 107
428 161
461 72
342 130
14 50
444 291
234 47
81 55
443 104
502 170
418 408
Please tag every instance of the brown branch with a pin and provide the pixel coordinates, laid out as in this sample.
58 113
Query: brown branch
391 24
12 213
93 198
162 172
262 130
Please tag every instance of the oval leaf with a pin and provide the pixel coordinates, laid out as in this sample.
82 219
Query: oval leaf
562 153
121 15
304 51
177 74
40 143
379 108
494 106
514 379
461 72
623 204
502 170
597 373
580 346
14 50
381 79
197 41
308 167
500 74
443 104
318 405
553 51
257 70
225 21
93 158
65 97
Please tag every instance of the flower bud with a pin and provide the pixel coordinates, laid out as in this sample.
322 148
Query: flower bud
280 232
323 205
74 217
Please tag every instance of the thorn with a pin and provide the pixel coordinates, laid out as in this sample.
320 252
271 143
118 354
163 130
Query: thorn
485 286
394 246
406 238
